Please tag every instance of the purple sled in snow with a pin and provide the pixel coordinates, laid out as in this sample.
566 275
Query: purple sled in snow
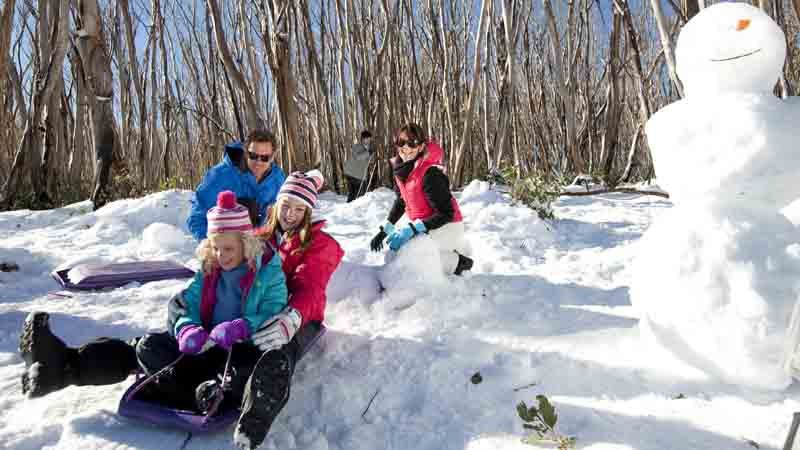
98 276
194 421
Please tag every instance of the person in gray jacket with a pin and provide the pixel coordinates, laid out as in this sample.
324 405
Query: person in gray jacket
357 165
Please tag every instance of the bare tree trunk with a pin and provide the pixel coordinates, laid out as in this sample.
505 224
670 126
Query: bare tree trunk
565 79
254 120
97 63
28 157
137 84
666 44
473 91
279 56
6 26
319 76
75 165
690 8
508 83
611 134
167 96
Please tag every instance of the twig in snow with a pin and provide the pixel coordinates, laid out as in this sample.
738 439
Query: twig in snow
525 387
186 441
370 403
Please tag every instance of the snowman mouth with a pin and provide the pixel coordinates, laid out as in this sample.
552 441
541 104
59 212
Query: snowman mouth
737 57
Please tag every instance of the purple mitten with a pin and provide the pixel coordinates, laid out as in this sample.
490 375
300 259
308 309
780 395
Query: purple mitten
191 339
226 334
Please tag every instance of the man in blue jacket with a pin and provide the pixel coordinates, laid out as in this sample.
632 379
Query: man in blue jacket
249 171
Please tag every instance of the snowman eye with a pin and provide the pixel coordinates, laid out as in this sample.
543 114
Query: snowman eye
742 24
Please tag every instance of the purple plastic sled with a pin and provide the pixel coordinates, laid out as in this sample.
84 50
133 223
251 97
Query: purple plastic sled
98 276
193 421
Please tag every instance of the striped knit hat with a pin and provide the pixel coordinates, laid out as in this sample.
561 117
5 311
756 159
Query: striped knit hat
303 186
228 215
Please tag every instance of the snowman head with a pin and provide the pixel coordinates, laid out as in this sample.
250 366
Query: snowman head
730 47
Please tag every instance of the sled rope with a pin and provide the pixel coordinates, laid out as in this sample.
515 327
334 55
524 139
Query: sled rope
153 377
220 390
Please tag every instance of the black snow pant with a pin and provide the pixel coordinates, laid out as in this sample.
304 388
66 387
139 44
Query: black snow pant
355 188
178 385
108 360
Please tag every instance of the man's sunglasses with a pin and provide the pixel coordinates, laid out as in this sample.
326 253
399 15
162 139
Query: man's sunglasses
411 143
256 156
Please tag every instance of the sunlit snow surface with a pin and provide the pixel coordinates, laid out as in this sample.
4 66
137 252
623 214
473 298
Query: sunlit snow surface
547 304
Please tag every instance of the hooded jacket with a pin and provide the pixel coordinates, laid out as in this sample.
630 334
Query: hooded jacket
308 272
232 175
264 294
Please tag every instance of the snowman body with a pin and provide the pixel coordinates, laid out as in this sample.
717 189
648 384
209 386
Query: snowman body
713 280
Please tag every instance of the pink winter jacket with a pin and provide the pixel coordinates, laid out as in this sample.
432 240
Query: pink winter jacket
308 272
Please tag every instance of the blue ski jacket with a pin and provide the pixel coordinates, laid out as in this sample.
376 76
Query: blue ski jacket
232 175
264 294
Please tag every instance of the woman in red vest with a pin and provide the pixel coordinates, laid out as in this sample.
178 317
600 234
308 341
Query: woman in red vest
423 194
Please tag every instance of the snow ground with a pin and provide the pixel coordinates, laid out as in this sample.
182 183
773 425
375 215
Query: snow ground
547 304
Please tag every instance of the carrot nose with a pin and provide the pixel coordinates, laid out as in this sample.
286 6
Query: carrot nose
742 24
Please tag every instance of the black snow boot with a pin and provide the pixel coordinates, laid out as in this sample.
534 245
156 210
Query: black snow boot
265 394
464 263
51 365
46 357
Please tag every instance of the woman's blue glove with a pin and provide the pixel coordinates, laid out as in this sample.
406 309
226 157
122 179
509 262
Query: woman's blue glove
403 235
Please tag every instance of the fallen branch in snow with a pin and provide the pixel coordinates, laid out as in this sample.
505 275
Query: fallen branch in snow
789 444
606 191
370 403
517 389
577 193
8 267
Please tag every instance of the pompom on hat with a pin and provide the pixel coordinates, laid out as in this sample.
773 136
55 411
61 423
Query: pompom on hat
228 215
303 187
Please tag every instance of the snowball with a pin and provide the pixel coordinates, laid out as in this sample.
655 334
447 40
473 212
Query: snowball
479 192
165 241
414 271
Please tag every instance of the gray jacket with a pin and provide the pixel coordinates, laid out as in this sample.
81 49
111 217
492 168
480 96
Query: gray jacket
356 164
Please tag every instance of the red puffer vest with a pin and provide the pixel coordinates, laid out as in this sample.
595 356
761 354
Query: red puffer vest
417 206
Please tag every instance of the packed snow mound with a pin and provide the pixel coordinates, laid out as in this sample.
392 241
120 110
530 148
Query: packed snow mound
480 192
353 280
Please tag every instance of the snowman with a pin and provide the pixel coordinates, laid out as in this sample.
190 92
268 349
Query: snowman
715 276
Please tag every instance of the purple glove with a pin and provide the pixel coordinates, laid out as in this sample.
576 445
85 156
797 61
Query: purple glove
228 333
191 339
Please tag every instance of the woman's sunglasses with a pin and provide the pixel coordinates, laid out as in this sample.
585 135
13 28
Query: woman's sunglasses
411 143
256 156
